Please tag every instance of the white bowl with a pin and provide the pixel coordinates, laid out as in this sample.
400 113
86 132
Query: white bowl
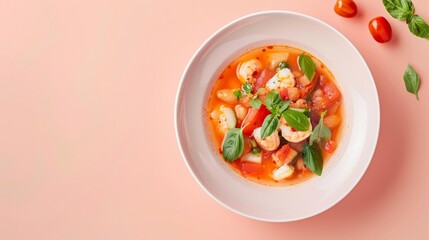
361 117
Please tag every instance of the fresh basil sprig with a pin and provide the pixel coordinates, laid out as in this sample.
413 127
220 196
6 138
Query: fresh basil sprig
278 108
404 10
307 66
320 132
313 158
272 100
233 144
412 81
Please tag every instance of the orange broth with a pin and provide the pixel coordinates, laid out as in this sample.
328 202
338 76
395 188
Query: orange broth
229 80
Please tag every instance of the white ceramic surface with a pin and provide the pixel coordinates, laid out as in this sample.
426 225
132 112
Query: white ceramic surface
361 117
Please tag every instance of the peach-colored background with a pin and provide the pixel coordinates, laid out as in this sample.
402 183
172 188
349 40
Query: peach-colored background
87 144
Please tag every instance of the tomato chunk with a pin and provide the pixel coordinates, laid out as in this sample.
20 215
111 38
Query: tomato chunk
282 153
251 168
254 119
266 75
331 92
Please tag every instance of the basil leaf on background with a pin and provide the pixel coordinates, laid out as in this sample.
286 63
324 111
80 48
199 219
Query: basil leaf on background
296 120
419 27
313 158
412 81
270 124
233 144
307 66
399 9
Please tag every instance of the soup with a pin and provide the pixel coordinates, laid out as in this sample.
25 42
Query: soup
275 115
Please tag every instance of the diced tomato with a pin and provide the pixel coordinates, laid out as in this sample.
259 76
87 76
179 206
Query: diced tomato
236 164
266 75
293 93
282 153
331 92
330 146
251 168
284 94
254 119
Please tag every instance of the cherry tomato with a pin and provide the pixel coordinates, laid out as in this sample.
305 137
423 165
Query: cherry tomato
266 75
380 29
254 119
330 146
346 8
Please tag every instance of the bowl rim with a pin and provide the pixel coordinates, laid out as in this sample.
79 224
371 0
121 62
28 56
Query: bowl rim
180 89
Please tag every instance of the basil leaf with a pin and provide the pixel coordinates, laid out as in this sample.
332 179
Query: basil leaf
255 103
307 112
313 158
247 87
283 106
412 81
320 132
272 100
238 94
296 120
399 9
419 27
270 125
233 144
307 66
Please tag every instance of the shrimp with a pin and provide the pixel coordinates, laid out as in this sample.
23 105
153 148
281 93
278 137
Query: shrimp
246 70
276 58
270 143
283 79
293 135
